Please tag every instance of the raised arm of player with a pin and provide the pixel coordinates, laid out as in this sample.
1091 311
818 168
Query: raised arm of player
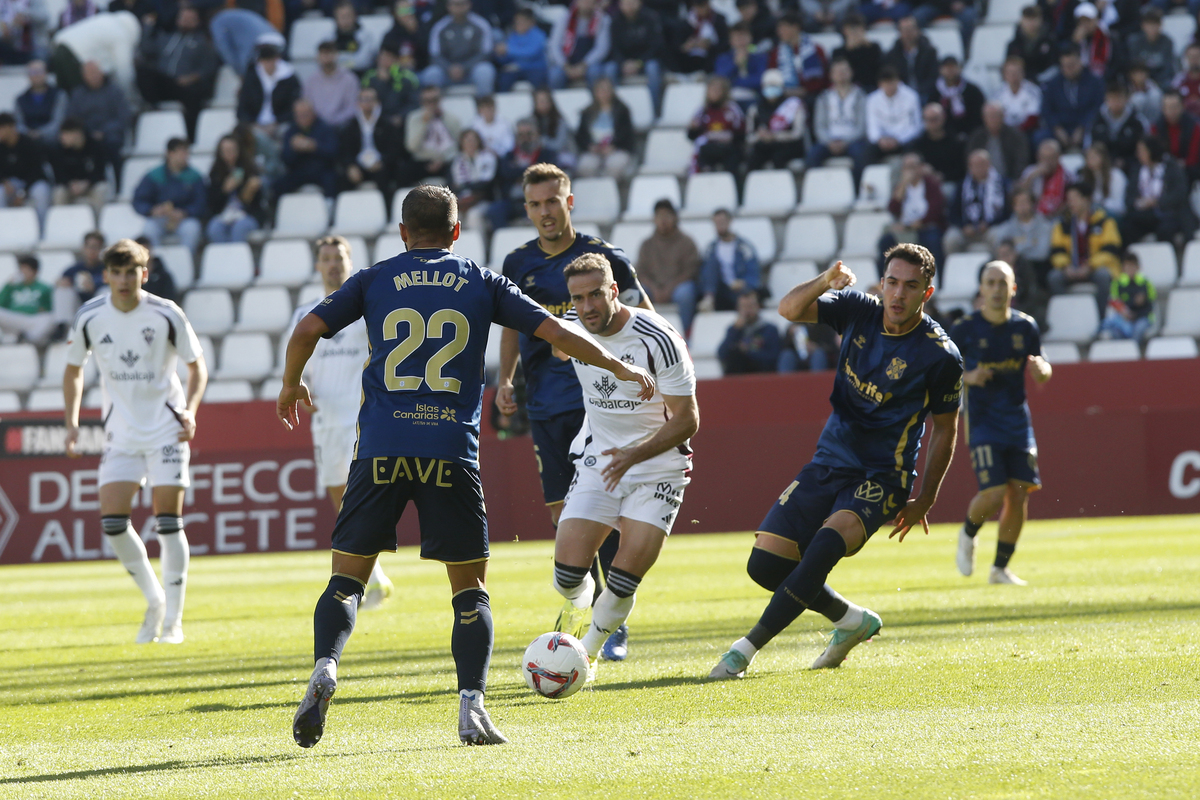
941 451
799 305
569 340
681 426
510 350
299 350
197 380
72 395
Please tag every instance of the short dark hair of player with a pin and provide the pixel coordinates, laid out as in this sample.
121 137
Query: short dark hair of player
544 173
175 143
340 242
587 264
126 253
430 211
916 255
32 262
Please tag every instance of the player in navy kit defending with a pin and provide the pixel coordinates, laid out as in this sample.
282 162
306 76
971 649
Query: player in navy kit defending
896 366
997 343
555 404
428 314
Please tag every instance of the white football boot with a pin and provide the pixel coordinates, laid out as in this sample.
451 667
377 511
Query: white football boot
966 552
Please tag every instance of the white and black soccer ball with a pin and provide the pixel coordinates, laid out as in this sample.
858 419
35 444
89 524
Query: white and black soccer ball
555 665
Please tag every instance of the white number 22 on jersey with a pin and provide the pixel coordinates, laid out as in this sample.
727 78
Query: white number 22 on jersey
417 331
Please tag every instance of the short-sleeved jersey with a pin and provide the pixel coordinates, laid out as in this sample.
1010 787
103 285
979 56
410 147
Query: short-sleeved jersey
334 373
616 417
551 387
428 314
885 386
997 412
135 354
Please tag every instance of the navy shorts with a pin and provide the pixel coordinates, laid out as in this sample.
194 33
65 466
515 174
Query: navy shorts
819 491
449 501
997 464
552 445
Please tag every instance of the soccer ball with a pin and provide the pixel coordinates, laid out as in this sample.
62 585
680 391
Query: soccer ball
555 665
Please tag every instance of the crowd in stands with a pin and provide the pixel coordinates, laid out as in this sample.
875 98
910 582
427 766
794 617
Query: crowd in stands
1084 142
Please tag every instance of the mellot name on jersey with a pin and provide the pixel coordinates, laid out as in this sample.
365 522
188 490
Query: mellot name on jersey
420 277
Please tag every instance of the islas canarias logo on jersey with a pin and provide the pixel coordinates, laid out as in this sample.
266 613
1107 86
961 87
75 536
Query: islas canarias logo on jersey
896 368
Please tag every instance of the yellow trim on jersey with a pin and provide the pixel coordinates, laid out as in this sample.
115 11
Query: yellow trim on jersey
556 503
883 330
456 563
780 538
903 442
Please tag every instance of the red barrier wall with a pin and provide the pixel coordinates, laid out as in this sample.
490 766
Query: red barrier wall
1113 439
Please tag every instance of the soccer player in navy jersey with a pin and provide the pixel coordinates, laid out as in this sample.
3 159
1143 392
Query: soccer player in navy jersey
997 343
554 402
896 366
428 313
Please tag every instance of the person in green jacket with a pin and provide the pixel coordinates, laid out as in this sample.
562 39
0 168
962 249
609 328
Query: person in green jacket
1131 303
25 304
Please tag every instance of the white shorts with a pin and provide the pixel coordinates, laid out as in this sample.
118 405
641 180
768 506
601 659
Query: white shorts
655 501
164 466
333 450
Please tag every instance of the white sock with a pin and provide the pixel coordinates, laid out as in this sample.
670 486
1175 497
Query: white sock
132 552
474 696
608 614
581 595
175 558
744 647
851 619
377 575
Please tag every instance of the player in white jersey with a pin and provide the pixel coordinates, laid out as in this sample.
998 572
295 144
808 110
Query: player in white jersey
149 419
634 460
334 378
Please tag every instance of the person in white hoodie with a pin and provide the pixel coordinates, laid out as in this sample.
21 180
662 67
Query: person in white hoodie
108 39
840 120
893 116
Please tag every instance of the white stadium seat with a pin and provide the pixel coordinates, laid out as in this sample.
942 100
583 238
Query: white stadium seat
19 229
596 200
360 256
391 244
786 275
264 308
10 402
708 191
301 214
1183 313
810 237
207 351
310 294
12 86
1061 352
132 172
884 36
628 236
960 275
645 191
667 152
245 356
397 207
155 129
504 241
1114 350
229 265
702 231
21 368
947 41
307 34
228 392
1180 29
1165 347
708 331
1158 263
360 213
771 192
641 105
53 263
861 234
177 258
989 45
470 245
66 225
8 268
45 400
56 361
1005 12
228 85
874 188
589 229
211 126
209 310
866 270
827 189
571 103
285 262
760 232
1072 318
119 221
461 107
377 25
708 369
1191 265
270 389
681 101
514 106
828 41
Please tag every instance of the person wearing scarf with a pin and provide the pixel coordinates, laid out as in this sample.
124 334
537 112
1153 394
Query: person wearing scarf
579 44
780 123
1091 37
1085 246
801 60
962 99
703 34
982 203
918 208
1117 125
1047 179
718 129
369 145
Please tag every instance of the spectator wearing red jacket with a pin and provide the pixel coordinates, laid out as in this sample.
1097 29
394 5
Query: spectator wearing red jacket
718 129
918 208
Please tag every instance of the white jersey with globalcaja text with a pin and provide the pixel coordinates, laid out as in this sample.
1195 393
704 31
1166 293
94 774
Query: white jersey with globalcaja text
136 353
334 373
615 415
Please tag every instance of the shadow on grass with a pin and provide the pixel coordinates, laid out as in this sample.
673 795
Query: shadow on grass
139 769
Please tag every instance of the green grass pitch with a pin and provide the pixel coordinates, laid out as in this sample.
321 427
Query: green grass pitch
1086 684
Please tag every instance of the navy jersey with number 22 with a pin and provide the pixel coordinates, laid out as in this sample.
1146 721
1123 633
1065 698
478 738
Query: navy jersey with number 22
885 386
428 313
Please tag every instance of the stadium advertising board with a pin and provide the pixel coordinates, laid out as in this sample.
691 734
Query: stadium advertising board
1108 445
